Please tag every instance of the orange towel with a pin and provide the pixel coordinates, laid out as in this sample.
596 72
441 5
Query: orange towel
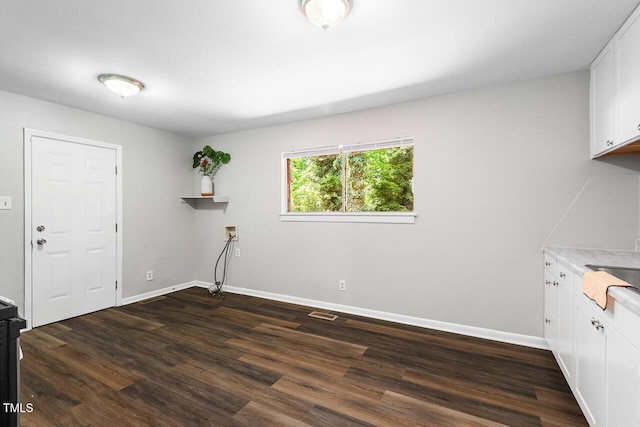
595 285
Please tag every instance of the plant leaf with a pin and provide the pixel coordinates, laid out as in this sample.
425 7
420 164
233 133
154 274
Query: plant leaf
208 151
196 159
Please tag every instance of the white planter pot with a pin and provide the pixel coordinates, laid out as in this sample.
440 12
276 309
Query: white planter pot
206 186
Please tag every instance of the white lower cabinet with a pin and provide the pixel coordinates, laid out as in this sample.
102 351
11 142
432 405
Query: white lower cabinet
558 314
622 390
589 381
551 311
607 376
564 320
598 351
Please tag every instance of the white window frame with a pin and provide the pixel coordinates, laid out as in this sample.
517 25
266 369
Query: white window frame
363 217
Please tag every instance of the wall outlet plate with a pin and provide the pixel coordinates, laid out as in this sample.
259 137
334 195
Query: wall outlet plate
231 230
5 203
342 285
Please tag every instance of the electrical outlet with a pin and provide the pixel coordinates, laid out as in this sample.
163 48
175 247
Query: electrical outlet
150 275
5 202
231 230
238 252
342 285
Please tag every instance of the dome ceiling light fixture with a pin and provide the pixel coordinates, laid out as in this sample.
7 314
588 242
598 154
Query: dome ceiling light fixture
325 13
122 86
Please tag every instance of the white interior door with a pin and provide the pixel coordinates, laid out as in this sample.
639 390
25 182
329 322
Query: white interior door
73 229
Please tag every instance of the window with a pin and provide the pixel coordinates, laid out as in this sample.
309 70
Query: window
367 182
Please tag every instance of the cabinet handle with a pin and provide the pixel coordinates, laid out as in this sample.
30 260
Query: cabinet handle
547 282
547 263
597 324
562 275
555 283
609 143
546 320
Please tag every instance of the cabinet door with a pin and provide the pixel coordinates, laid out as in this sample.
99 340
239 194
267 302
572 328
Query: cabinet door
550 311
589 381
623 381
565 322
627 42
603 101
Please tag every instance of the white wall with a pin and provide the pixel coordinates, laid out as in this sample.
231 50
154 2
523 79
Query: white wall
605 213
158 229
496 169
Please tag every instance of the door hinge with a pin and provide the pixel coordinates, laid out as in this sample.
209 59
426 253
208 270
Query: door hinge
116 285
116 169
116 227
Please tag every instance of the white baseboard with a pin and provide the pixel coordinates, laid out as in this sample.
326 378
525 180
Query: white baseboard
473 331
158 292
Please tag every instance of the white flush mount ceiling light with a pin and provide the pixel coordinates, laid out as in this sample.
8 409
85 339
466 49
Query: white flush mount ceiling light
122 86
325 13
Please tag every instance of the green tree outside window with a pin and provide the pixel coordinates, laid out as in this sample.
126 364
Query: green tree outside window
376 180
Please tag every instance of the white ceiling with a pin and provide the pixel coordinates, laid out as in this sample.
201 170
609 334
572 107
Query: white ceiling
217 66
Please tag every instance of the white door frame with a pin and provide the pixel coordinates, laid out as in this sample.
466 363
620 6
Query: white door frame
28 279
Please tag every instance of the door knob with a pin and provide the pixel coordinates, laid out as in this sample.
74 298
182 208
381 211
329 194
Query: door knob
41 241
40 228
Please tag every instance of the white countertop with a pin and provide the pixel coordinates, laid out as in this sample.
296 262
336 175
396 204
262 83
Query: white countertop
576 259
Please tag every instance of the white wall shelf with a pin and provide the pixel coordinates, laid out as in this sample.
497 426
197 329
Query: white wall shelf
193 200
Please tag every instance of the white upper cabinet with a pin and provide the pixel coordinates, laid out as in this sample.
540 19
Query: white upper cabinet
603 101
627 42
615 92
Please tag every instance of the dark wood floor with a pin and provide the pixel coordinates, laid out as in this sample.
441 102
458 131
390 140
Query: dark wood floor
189 359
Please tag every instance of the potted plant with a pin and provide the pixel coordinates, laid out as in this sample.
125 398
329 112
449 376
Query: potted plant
209 161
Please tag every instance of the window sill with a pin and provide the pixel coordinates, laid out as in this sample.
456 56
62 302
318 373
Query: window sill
363 217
